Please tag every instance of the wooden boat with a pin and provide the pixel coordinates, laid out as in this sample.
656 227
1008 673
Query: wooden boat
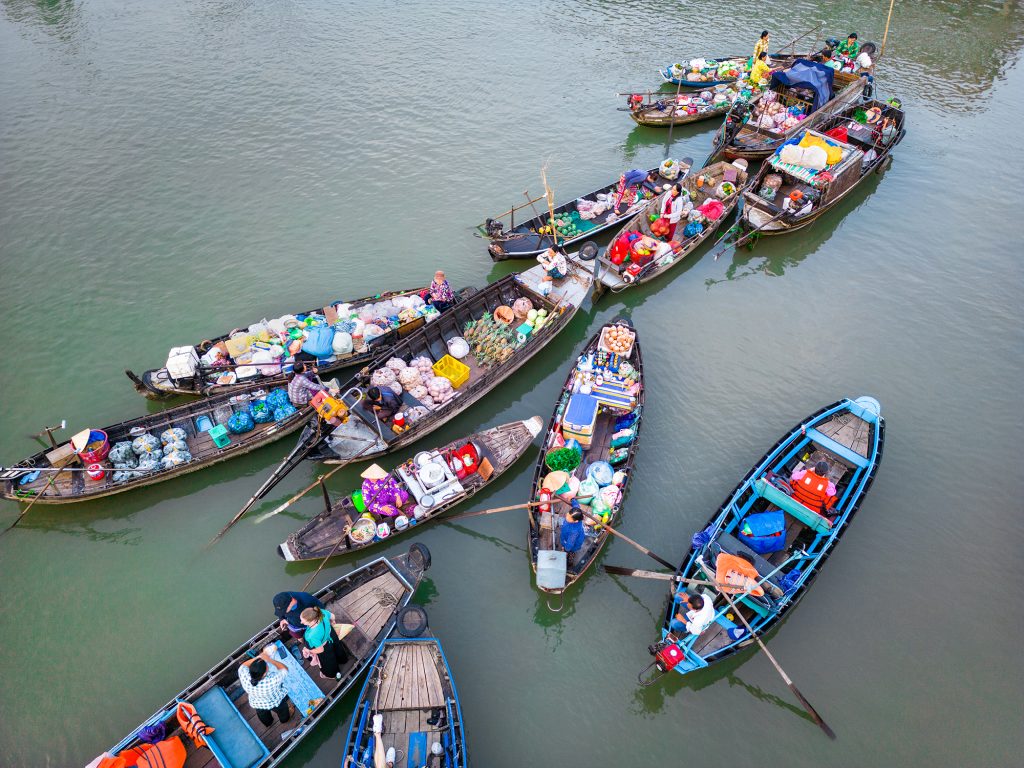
742 137
659 109
337 531
863 152
412 688
197 379
57 476
739 62
616 394
362 436
668 254
532 237
374 598
849 436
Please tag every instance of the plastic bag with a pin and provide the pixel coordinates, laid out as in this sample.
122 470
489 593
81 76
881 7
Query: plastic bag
147 465
240 423
122 453
342 343
618 456
623 438
458 347
173 435
175 459
175 445
261 412
588 490
277 398
283 411
145 445
601 473
319 341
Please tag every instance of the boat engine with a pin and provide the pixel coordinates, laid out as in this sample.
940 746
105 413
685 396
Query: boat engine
734 120
634 101
494 228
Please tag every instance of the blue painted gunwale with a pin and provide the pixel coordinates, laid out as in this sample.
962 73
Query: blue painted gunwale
730 514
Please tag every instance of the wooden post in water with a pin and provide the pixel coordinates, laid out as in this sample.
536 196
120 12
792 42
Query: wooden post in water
886 35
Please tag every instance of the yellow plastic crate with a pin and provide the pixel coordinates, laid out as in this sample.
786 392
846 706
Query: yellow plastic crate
457 373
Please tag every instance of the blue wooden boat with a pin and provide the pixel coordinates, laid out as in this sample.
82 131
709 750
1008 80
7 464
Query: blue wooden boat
411 693
848 436
374 598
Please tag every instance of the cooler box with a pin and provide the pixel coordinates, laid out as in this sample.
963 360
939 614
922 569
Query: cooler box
551 565
182 362
764 532
580 417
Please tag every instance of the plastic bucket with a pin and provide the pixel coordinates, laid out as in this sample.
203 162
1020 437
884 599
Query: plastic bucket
96 449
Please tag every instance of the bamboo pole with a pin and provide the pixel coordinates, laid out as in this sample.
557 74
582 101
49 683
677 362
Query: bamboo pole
886 35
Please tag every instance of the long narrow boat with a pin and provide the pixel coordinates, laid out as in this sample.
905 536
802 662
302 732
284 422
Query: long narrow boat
186 374
660 109
432 482
488 363
532 237
411 688
786 541
603 391
863 151
373 598
814 89
60 476
692 81
702 186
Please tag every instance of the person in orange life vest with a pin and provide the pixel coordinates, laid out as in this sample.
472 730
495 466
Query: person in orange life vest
674 207
812 488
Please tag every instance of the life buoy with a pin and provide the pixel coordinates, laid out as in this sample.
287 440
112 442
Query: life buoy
734 575
192 724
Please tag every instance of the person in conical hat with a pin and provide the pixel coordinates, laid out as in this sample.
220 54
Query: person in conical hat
382 493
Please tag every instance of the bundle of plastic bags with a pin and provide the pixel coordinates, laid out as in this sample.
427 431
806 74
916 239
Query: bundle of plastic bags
240 423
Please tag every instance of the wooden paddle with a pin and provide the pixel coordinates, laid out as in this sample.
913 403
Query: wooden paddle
527 505
778 668
37 497
341 539
628 540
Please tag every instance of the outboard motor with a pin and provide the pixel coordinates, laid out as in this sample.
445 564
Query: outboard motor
634 101
494 228
734 120
667 657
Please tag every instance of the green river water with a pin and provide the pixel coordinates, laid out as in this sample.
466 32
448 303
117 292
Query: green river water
170 169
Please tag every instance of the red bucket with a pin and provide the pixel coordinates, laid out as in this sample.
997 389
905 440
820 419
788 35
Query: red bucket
96 449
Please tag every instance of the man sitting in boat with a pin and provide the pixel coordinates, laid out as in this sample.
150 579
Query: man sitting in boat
382 402
695 614
554 263
812 487
303 384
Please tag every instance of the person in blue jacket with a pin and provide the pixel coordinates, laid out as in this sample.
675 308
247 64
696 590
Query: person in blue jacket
571 533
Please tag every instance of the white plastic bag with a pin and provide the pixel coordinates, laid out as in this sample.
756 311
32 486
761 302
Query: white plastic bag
458 347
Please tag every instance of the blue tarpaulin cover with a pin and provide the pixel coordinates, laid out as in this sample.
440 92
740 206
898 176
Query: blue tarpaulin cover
808 74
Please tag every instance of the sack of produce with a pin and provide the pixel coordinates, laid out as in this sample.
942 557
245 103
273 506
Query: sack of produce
396 364
611 495
409 378
319 341
283 411
458 347
416 413
240 423
173 435
623 437
175 459
601 473
693 229
670 169
395 387
147 465
277 398
122 453
382 377
175 445
261 412
587 491
145 445
342 343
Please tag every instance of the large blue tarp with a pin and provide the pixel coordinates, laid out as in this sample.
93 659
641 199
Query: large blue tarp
808 74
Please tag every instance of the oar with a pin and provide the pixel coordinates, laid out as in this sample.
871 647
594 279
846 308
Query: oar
527 505
628 540
778 668
38 496
344 535
640 573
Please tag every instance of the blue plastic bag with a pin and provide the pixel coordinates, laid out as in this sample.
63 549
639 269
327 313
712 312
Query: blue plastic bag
261 412
277 398
319 342
282 412
240 423
693 228
601 472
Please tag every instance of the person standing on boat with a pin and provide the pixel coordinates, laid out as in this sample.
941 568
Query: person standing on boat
323 647
812 487
554 263
694 615
439 293
303 384
288 607
761 46
265 687
634 182
571 532
674 207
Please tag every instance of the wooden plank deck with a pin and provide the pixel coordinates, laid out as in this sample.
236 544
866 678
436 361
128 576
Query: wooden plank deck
849 430
411 679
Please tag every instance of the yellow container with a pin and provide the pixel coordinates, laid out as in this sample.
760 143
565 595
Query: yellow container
457 373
